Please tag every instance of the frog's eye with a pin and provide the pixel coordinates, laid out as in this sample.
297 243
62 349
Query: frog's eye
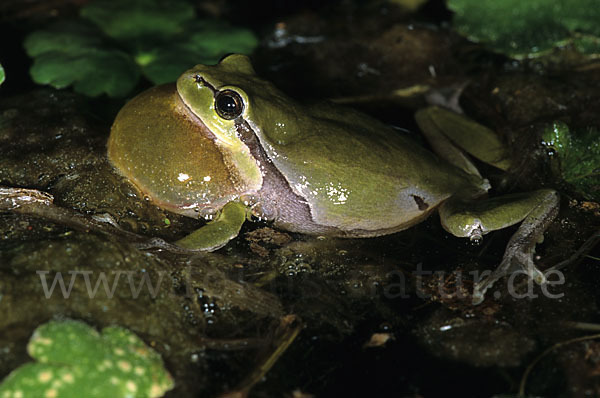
229 104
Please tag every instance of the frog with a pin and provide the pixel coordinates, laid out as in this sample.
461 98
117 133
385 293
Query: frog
226 145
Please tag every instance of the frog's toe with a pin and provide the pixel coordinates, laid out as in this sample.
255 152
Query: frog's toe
524 263
539 277
480 287
478 296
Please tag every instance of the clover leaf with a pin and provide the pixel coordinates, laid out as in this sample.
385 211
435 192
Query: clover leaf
114 42
75 53
202 42
125 20
575 157
74 360
529 28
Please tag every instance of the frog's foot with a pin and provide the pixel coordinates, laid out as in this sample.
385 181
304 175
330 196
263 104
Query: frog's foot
514 260
518 256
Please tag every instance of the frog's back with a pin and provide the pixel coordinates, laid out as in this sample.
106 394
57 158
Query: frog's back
357 174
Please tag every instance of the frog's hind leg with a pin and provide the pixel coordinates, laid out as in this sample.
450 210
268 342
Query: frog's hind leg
452 135
535 209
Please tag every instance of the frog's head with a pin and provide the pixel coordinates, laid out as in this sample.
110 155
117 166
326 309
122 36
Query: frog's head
182 148
224 95
215 94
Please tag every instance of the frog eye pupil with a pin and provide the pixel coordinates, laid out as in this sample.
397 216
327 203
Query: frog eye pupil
229 104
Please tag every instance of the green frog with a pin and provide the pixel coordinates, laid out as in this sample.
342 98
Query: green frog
226 145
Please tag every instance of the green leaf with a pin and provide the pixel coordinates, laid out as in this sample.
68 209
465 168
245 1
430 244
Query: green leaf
529 28
202 42
213 39
2 76
125 20
158 38
92 72
69 36
74 360
575 157
76 54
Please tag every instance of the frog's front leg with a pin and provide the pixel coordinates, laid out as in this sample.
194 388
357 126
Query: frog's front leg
218 232
473 219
